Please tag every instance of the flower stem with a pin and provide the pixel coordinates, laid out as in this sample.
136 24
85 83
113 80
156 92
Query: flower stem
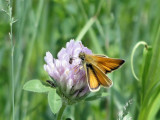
59 116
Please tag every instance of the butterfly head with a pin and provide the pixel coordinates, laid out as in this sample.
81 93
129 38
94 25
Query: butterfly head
82 56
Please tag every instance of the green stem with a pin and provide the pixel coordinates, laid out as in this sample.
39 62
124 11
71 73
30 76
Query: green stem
90 22
59 116
12 56
86 28
133 52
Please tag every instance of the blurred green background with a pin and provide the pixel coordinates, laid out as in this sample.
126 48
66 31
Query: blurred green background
46 25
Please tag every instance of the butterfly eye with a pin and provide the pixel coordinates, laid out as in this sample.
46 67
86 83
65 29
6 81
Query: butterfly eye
83 57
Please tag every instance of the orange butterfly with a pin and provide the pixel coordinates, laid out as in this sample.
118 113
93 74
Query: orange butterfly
96 68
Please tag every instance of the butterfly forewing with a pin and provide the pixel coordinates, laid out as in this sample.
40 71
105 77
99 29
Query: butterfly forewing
107 64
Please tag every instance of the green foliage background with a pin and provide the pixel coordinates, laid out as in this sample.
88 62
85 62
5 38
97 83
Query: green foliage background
46 25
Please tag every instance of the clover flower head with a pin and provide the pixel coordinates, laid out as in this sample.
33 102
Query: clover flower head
66 71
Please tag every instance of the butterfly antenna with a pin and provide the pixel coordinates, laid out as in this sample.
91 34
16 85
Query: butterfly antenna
81 46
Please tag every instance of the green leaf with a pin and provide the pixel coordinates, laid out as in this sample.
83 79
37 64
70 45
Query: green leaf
154 107
92 97
151 87
36 86
54 101
104 94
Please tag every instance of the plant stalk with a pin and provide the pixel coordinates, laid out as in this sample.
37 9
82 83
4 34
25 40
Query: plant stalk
12 56
59 116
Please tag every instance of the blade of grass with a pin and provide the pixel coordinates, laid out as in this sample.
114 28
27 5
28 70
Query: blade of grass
88 27
29 52
21 98
12 55
153 109
152 82
147 54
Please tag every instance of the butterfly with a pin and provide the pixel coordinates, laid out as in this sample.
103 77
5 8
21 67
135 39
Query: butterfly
96 68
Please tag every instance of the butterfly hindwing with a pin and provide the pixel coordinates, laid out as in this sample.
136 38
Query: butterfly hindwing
93 82
96 78
101 76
